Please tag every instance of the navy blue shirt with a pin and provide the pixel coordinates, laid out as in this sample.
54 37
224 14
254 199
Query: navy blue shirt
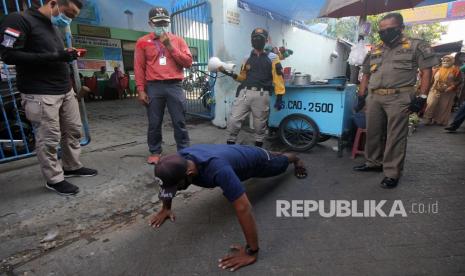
226 166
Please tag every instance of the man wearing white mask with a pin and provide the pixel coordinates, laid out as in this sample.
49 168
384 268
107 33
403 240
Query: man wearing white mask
32 41
159 60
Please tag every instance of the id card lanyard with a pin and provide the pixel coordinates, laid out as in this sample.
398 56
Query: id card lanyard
161 53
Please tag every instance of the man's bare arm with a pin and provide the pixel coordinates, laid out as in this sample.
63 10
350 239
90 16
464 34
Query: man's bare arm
425 81
244 214
241 258
364 85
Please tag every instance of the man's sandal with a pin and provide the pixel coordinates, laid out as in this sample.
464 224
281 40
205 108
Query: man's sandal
153 159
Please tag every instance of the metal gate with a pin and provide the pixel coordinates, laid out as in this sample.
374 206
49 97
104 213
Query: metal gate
16 132
193 22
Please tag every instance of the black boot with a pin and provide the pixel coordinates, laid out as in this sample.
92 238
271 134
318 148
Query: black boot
389 183
451 128
365 168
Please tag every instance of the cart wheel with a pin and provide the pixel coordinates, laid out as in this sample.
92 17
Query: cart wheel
299 132
323 138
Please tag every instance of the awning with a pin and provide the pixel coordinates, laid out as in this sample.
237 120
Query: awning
295 10
299 10
448 48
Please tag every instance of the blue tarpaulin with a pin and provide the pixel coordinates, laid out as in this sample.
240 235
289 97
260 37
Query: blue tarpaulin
432 2
297 10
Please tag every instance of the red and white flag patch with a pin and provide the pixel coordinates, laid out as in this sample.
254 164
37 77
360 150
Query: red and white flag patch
9 37
13 32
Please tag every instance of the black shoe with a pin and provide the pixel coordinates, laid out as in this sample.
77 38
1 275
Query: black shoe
259 144
63 188
389 183
451 129
81 172
365 168
230 142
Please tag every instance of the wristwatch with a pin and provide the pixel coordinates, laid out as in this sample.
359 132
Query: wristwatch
251 252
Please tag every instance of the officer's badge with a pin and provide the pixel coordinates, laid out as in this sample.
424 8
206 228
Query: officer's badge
406 45
9 37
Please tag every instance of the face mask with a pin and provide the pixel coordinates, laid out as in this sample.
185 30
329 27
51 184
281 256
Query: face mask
60 20
160 30
390 35
258 42
447 64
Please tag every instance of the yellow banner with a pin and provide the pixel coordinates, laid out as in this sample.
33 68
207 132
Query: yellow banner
428 13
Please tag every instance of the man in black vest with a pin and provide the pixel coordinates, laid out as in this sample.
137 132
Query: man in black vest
259 76
32 41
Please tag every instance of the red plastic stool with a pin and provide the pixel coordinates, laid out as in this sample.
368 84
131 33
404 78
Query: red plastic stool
359 142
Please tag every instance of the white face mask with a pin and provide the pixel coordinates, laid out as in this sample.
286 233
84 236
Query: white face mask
447 64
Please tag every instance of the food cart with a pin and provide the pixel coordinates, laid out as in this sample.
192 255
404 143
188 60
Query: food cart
313 113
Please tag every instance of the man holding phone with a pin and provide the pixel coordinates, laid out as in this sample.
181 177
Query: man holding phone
159 60
32 41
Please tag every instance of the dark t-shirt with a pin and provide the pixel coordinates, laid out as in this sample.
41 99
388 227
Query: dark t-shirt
259 72
38 72
225 166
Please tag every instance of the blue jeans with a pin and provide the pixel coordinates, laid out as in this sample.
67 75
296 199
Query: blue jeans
459 117
162 95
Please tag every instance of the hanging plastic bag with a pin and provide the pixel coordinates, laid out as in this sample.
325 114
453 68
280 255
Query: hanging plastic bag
358 53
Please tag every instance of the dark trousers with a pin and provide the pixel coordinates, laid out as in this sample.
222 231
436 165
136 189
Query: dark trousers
162 95
459 117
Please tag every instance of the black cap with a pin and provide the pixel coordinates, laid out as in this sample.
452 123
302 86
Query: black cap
170 170
260 32
157 14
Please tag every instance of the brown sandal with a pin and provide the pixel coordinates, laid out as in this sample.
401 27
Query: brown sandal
153 159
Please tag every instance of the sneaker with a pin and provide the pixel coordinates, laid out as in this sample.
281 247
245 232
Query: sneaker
451 129
81 172
63 188
229 142
258 144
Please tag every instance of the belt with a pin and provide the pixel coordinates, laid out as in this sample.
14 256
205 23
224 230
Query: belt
172 81
255 88
390 91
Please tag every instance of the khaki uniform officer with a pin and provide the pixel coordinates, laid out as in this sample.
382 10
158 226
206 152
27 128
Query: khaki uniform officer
390 74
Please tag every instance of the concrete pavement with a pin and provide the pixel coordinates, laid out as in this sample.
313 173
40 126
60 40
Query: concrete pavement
104 231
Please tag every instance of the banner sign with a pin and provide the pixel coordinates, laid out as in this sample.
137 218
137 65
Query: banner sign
94 41
435 13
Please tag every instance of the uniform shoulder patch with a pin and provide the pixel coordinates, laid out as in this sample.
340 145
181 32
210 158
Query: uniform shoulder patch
10 36
425 49
13 32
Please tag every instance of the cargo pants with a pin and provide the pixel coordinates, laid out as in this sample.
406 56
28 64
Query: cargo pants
57 122
255 101
162 95
387 131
